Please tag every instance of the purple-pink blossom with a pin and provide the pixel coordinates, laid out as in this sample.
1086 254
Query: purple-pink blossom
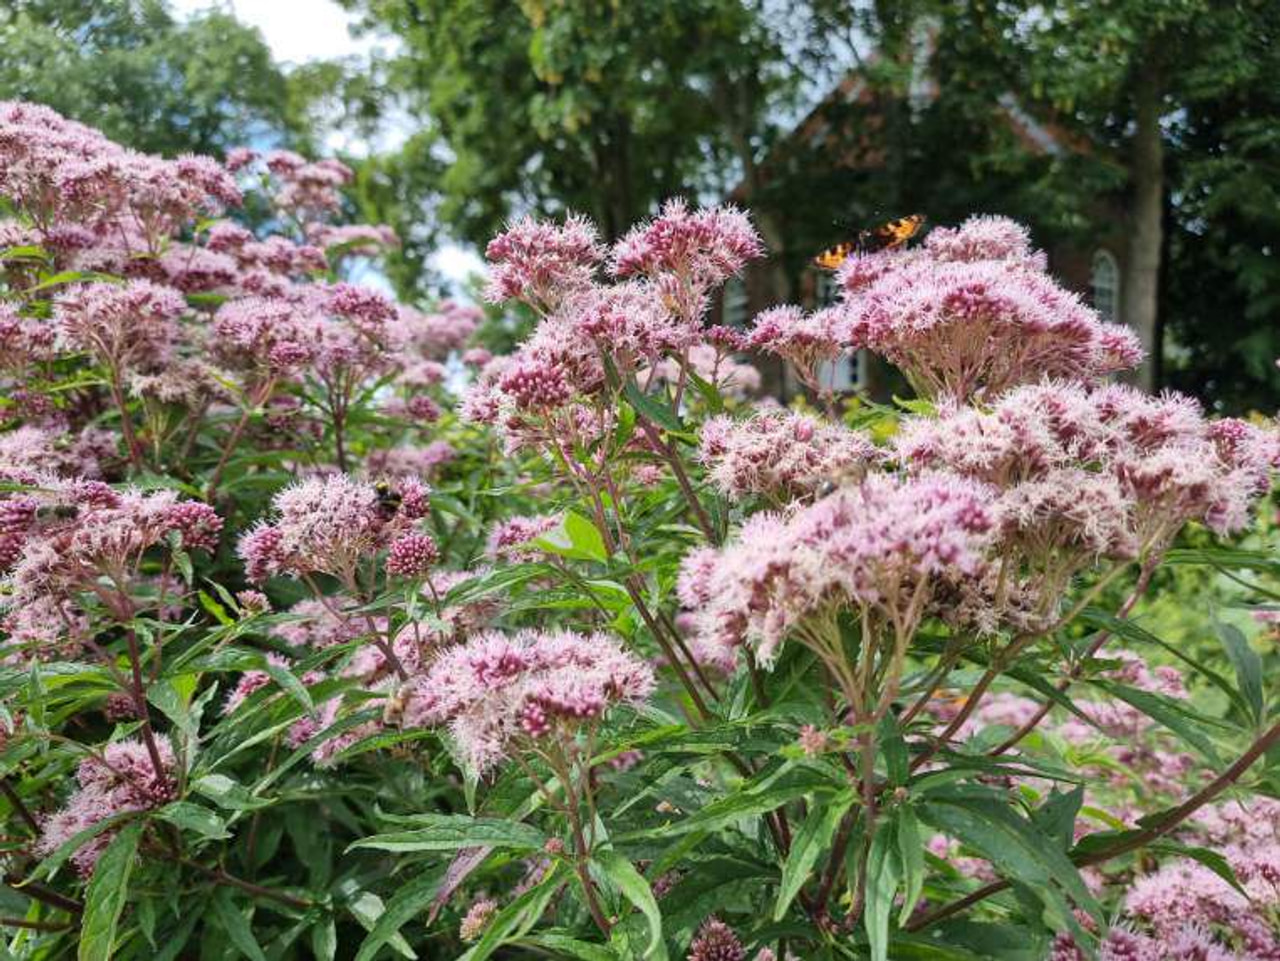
496 690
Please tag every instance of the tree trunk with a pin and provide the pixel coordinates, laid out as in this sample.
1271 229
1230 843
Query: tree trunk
1140 287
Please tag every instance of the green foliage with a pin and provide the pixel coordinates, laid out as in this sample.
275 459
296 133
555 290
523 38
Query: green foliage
130 68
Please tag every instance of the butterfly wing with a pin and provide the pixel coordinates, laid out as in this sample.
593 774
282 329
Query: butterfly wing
834 256
887 236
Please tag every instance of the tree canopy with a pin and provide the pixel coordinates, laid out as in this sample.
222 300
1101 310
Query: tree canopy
145 77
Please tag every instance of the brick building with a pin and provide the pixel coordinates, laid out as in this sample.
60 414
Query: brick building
841 149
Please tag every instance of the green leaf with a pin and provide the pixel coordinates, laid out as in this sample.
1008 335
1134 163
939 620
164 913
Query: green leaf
383 922
517 917
884 871
751 801
290 682
1056 817
193 817
451 832
911 853
651 409
574 537
563 946
228 793
324 940
1010 843
236 925
1248 666
175 705
635 889
1171 713
108 890
811 840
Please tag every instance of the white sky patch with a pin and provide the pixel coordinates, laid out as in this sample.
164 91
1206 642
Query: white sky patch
457 264
299 31
295 30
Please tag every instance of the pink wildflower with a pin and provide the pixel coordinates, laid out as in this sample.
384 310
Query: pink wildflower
495 690
784 454
540 263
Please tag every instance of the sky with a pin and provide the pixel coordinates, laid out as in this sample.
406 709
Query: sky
301 30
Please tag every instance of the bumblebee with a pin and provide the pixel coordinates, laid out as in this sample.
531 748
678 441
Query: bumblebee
886 236
389 499
58 512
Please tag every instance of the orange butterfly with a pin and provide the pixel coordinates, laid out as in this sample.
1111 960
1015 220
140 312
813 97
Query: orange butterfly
887 236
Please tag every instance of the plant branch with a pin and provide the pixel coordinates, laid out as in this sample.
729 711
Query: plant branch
1153 832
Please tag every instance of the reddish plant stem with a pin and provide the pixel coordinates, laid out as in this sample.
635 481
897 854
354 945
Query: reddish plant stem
999 662
219 876
140 704
1125 609
1154 832
38 892
126 422
682 478
234 439
19 806
34 925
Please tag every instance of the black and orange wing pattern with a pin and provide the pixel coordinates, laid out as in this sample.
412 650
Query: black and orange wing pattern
886 236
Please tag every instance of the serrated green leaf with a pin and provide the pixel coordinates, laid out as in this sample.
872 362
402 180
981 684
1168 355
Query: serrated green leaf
1247 665
651 409
811 840
452 832
105 898
911 854
383 922
884 872
236 925
194 818
635 889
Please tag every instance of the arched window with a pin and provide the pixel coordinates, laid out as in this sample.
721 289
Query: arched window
1104 281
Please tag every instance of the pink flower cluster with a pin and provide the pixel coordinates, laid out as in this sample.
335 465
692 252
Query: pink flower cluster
129 326
510 538
781 454
1102 472
686 253
973 313
1184 910
540 263
121 780
886 544
57 540
79 188
636 325
497 690
329 525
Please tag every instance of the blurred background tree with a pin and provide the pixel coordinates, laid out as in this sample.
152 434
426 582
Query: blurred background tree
146 78
1150 124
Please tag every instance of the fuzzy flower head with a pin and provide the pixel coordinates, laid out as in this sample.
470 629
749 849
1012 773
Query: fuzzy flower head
973 313
123 780
540 262
781 454
885 545
495 690
329 524
511 538
686 253
716 941
73 532
806 341
130 325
